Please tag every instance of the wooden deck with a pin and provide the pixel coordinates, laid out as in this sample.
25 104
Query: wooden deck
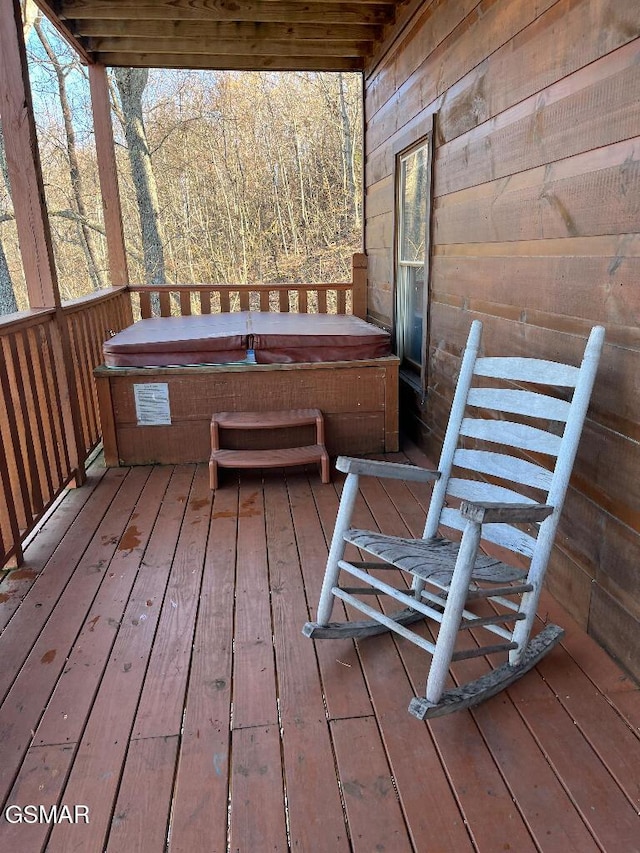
152 668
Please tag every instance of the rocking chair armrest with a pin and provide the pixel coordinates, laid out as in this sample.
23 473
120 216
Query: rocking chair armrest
490 512
388 470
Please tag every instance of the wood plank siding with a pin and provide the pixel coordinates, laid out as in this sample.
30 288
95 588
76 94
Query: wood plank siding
536 231
153 669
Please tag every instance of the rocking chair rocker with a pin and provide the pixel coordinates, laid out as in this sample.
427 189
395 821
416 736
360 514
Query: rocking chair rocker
511 502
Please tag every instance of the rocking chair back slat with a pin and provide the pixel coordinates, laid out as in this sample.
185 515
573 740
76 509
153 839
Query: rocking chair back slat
532 370
481 492
504 535
527 403
503 466
522 436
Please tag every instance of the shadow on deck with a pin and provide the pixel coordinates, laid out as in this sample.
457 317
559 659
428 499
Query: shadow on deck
153 670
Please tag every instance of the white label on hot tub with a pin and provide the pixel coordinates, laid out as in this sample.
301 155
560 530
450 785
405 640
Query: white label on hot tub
152 404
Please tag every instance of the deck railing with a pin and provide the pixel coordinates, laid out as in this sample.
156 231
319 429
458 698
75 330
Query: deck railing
49 417
185 299
91 320
41 445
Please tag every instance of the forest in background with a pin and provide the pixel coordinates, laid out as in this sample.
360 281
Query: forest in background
224 176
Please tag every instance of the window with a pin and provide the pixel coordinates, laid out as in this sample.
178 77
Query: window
412 247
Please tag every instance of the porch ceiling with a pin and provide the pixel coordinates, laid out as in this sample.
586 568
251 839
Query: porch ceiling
297 35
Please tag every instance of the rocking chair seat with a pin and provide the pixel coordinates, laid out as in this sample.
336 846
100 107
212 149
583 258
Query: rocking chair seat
430 558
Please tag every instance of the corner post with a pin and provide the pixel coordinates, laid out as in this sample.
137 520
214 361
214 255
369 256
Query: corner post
359 279
32 223
108 174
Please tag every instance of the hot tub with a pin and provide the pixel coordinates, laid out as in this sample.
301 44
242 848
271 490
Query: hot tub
269 338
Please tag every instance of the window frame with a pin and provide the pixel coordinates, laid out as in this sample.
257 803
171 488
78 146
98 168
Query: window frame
412 373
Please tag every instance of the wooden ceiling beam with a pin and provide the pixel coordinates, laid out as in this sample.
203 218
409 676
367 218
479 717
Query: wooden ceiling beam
65 31
230 63
249 47
244 30
286 11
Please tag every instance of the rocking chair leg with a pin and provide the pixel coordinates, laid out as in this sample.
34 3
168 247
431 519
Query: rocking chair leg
336 552
453 612
523 628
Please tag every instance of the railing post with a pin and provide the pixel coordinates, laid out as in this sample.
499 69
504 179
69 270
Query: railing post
359 279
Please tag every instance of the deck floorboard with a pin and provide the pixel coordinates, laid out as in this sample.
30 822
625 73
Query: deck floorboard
152 668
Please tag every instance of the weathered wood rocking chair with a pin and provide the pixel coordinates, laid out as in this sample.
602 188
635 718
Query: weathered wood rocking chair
511 502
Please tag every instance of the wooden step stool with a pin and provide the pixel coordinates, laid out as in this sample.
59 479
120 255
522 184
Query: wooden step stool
276 458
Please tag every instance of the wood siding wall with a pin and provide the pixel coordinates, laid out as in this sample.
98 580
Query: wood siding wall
536 231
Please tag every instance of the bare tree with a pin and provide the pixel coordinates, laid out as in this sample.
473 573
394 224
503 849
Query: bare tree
223 177
131 83
348 159
86 232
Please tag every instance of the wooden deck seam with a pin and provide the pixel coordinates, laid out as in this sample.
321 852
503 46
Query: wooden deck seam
11 596
435 727
120 555
90 719
120 523
131 739
201 787
62 591
552 695
579 807
51 557
372 494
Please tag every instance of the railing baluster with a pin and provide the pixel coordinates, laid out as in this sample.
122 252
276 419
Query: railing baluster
185 303
9 527
165 302
53 378
35 407
17 466
145 305
43 349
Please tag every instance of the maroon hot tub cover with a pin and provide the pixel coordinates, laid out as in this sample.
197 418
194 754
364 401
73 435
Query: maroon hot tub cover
285 338
275 338
165 341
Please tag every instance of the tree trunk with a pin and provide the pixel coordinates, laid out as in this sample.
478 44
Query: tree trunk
351 206
131 83
8 302
87 237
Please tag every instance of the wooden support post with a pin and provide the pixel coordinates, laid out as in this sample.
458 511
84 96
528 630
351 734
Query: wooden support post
359 279
27 192
108 175
23 161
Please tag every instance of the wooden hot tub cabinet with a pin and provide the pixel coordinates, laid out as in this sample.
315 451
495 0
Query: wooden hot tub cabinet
359 401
